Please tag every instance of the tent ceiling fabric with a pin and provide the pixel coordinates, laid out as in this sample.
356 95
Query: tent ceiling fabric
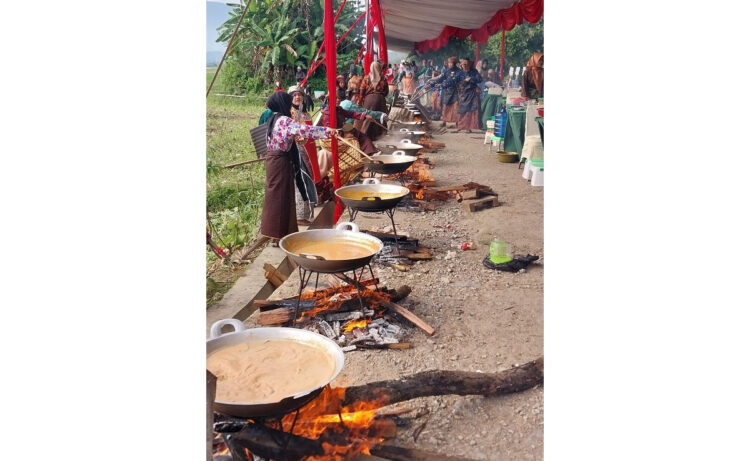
427 24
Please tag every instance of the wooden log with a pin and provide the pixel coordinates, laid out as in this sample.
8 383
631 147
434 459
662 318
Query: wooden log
410 316
275 272
396 453
440 382
262 240
246 162
269 443
210 397
371 345
419 256
475 205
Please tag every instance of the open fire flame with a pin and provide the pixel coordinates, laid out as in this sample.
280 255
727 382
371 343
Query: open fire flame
325 416
352 324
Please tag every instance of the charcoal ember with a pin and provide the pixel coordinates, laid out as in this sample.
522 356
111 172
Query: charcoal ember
375 335
341 316
337 328
377 322
349 348
326 329
360 335
392 329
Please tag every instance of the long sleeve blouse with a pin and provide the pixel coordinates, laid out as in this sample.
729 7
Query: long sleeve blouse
461 76
283 133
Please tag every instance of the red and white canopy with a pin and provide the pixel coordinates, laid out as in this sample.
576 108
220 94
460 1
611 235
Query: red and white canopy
428 24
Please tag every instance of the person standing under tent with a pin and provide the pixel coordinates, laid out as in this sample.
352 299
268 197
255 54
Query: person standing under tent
283 168
305 208
532 86
435 94
407 82
449 98
467 82
372 93
342 114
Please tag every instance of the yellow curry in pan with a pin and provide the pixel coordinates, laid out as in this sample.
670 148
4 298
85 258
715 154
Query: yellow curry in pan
360 194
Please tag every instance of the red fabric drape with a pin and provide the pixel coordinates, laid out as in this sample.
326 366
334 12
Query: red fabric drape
525 10
382 46
330 45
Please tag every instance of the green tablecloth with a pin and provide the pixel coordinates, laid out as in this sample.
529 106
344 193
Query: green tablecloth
540 121
491 105
515 131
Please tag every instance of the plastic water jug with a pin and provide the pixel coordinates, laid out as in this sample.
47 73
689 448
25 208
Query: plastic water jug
501 120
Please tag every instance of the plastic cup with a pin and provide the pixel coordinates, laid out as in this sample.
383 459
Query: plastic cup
499 252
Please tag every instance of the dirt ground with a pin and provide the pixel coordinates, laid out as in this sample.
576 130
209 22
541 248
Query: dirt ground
485 320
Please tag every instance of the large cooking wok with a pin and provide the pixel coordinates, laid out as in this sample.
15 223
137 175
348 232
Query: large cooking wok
404 144
395 163
252 335
413 124
331 250
374 200
413 136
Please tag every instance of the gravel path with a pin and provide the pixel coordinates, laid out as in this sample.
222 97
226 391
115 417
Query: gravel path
485 320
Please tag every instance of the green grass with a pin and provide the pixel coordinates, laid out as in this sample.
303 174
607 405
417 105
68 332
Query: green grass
234 196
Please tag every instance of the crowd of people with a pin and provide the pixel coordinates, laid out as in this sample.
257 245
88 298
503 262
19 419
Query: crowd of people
453 90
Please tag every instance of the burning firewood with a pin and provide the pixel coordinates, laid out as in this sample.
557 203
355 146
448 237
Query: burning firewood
439 382
281 311
342 421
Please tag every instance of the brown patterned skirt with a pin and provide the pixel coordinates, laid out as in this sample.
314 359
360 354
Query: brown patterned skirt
468 121
279 217
450 112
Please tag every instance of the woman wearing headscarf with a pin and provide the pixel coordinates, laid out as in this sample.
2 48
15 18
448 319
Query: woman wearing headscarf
305 208
341 86
467 81
283 168
532 84
449 96
372 93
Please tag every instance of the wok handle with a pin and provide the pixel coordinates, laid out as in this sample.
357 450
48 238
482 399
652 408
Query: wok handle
371 181
353 227
404 130
406 141
309 256
399 152
218 325
373 198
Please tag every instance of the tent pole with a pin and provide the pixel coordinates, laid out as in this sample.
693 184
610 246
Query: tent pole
502 56
330 46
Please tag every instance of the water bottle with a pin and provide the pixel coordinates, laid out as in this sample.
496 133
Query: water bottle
501 120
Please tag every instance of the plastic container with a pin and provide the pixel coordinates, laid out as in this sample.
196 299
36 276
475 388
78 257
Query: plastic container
499 251
540 111
501 120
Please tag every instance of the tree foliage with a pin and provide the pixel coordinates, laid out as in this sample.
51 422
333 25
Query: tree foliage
520 43
276 36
